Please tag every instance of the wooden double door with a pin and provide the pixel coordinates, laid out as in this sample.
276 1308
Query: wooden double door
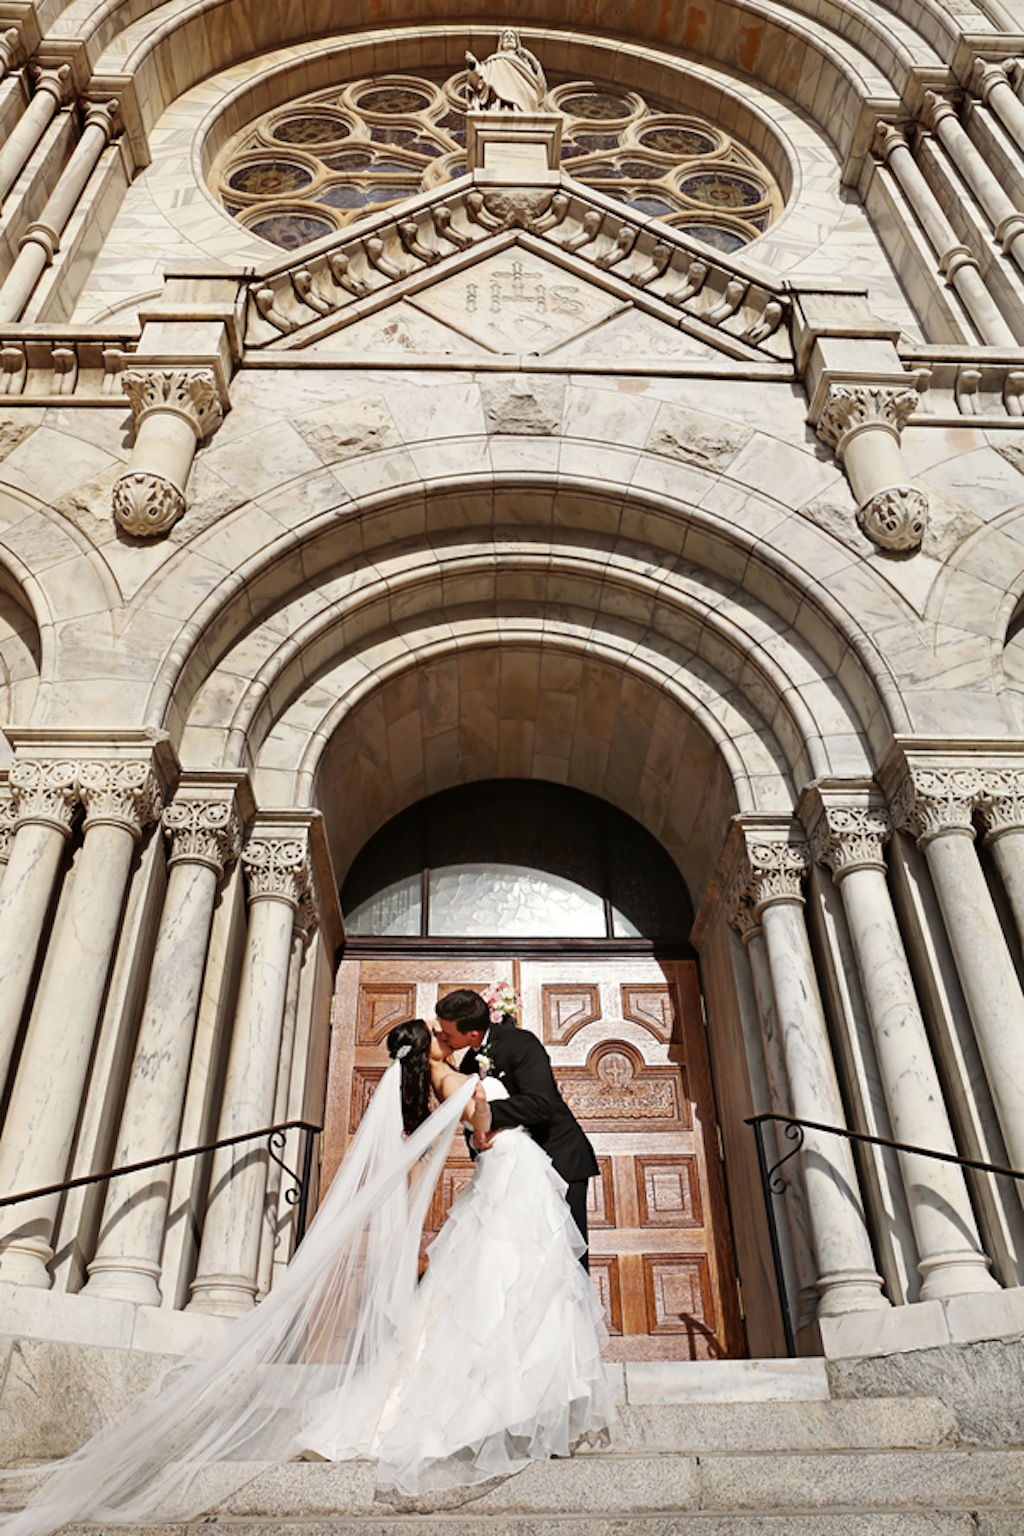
626 1039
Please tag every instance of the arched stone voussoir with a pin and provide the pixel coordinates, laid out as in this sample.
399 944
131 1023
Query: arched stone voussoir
552 702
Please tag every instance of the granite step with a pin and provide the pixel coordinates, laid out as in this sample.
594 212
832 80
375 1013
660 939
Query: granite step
1008 1522
904 1423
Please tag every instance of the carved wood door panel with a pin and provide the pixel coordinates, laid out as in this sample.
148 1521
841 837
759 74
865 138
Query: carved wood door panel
626 1038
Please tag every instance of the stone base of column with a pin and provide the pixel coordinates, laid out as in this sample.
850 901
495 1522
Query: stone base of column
851 1290
124 1280
222 1295
955 1274
24 1263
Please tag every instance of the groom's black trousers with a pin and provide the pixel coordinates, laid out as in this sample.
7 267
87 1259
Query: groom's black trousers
576 1199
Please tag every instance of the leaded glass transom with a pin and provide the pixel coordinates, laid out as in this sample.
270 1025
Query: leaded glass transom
510 859
319 163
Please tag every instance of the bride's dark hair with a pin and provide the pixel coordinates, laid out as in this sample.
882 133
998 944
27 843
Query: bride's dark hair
409 1043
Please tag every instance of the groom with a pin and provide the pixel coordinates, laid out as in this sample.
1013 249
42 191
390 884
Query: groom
521 1063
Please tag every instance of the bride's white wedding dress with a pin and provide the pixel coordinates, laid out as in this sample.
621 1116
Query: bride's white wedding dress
492 1361
501 1361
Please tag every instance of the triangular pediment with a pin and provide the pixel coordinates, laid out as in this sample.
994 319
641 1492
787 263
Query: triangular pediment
558 272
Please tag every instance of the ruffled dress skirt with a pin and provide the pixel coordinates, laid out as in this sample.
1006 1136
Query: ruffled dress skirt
501 1364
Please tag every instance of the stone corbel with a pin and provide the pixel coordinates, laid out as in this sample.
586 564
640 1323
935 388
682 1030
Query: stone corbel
862 422
174 410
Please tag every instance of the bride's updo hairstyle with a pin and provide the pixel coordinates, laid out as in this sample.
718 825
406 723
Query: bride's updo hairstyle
409 1043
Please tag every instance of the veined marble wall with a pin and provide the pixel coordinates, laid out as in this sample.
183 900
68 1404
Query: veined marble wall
289 540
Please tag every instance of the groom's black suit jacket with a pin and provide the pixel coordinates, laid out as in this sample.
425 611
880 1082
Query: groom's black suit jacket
523 1066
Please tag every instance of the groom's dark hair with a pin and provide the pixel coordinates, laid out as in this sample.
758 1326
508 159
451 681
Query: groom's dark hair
465 1008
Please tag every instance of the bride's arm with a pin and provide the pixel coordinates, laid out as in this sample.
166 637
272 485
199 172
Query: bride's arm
446 1080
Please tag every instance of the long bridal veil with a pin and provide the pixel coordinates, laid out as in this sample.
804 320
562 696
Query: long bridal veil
327 1332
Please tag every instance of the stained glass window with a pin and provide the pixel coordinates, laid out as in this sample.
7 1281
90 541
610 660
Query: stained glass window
515 860
355 149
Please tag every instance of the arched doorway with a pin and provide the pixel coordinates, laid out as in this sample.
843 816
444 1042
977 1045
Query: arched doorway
581 909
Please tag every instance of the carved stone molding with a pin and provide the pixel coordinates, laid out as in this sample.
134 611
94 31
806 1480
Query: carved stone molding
931 801
307 918
777 868
851 837
146 504
895 518
44 792
188 392
125 793
853 408
202 832
8 824
277 868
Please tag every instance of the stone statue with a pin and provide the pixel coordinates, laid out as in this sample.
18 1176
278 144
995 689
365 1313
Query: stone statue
510 80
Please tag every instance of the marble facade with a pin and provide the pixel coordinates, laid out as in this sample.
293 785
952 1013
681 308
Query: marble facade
290 539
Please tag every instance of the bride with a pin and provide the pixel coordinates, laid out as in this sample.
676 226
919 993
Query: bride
492 1361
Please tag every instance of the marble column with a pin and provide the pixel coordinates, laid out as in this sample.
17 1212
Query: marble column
41 240
226 1277
302 936
204 834
1006 219
794 1229
174 410
957 263
993 84
1002 815
121 796
936 806
862 424
847 1280
850 840
44 795
49 93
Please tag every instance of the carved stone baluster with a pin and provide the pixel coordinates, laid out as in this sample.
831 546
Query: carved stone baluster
174 410
862 423
121 796
850 840
278 872
847 1279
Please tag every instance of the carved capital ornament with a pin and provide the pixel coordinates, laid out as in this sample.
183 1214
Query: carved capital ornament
777 868
146 504
202 832
850 409
188 392
122 793
895 517
277 869
933 801
45 792
851 837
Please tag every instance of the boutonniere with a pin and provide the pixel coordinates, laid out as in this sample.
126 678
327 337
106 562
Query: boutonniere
484 1060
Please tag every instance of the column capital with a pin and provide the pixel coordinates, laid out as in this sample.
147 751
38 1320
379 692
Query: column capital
778 858
853 408
739 904
1001 802
889 139
8 823
190 393
104 115
849 837
931 801
44 790
278 868
122 792
202 831
307 918
935 109
988 76
52 80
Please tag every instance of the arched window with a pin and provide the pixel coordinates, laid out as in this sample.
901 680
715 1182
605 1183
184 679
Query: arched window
515 859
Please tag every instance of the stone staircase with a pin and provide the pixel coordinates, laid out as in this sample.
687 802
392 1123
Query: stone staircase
730 1460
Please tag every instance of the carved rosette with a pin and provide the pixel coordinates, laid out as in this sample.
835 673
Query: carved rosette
853 408
120 793
44 792
188 392
936 800
202 832
1001 805
8 823
851 837
146 504
777 868
278 869
895 518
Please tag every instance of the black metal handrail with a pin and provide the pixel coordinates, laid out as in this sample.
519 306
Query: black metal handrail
298 1195
772 1184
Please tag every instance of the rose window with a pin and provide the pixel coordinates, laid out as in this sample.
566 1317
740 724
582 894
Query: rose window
305 170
